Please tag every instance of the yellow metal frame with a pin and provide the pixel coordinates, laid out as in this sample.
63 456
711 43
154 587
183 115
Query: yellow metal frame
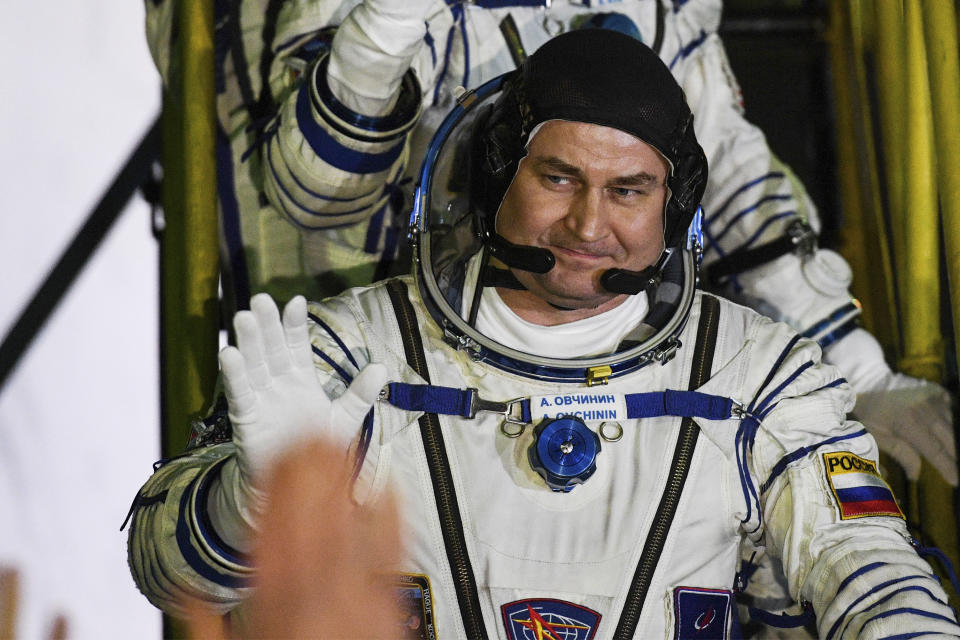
864 236
940 29
920 280
908 48
190 248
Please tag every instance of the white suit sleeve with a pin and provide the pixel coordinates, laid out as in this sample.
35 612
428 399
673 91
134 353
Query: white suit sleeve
844 545
321 169
340 144
173 550
752 200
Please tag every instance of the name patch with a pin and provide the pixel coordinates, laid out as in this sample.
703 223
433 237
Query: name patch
589 407
549 619
701 613
415 602
858 488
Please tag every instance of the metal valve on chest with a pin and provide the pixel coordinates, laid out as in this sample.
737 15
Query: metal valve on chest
564 452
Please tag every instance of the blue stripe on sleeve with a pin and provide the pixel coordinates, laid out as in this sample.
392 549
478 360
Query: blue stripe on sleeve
762 228
785 461
192 556
867 568
830 385
300 184
689 48
303 207
902 610
872 591
719 212
336 339
774 197
334 153
773 370
770 396
333 364
205 526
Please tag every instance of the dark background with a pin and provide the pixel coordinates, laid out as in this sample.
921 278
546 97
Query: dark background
779 53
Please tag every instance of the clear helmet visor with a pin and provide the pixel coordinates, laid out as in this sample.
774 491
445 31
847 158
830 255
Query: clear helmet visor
449 254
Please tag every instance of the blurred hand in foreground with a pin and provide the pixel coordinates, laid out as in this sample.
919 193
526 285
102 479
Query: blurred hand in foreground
325 566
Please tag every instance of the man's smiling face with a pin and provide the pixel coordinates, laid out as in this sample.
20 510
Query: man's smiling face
594 196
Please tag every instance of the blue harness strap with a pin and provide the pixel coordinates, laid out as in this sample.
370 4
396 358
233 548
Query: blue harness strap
451 401
429 398
685 404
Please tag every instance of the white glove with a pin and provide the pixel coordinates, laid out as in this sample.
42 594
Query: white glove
903 413
274 397
372 50
917 412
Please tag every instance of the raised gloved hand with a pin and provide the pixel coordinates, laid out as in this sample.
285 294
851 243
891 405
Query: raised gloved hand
274 397
372 50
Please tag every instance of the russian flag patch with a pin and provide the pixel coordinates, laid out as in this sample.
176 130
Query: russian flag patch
857 487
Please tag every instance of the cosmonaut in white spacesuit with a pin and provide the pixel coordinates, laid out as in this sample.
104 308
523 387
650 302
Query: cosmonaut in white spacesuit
580 440
317 151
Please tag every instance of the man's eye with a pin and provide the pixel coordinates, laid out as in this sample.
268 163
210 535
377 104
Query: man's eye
623 192
557 179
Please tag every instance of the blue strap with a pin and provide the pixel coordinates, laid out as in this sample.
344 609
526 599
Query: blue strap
942 557
783 620
457 402
839 333
686 404
446 401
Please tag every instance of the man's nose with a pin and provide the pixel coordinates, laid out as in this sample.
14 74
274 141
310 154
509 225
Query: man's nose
587 216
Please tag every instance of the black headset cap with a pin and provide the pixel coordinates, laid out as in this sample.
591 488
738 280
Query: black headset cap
602 77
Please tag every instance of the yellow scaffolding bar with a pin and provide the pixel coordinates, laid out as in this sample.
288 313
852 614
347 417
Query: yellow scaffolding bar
940 30
891 103
920 290
863 236
940 27
190 248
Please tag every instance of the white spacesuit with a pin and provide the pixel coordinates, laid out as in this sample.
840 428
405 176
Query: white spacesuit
578 490
314 195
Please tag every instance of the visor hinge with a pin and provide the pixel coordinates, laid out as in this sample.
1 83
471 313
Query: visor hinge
666 353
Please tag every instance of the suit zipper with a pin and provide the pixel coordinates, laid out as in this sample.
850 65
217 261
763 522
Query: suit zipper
683 454
448 511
